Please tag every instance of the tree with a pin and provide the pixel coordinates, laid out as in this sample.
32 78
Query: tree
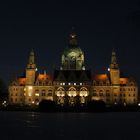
3 90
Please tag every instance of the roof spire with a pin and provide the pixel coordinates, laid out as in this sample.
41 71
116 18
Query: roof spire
31 57
114 59
73 38
31 61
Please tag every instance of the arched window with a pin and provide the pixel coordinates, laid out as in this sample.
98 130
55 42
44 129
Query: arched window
107 93
101 93
83 92
94 93
60 92
72 92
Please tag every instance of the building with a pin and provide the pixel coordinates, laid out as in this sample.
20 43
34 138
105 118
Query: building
73 83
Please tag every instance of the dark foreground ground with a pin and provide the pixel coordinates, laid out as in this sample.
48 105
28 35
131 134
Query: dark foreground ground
69 126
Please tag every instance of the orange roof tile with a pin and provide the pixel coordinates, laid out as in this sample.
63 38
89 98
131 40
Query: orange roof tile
100 77
123 80
22 81
42 77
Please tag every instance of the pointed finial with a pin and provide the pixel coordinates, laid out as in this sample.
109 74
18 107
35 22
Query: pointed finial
73 38
44 72
113 58
31 57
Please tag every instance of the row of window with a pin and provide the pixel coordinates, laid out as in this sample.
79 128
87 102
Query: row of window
43 83
101 83
16 100
63 84
16 94
121 100
108 94
129 89
36 94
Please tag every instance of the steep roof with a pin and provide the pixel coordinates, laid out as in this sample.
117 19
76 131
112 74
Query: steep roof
100 77
72 75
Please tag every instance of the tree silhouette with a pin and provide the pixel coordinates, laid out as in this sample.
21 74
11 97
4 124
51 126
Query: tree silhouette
3 90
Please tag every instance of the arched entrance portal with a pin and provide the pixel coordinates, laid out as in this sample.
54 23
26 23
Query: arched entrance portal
83 95
71 96
60 94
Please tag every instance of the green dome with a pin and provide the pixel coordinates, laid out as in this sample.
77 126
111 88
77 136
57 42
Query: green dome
73 52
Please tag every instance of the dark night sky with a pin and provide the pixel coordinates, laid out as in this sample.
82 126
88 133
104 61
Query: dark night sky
45 26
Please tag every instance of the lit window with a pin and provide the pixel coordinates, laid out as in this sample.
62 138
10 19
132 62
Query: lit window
69 84
30 87
75 84
80 84
29 94
36 94
63 84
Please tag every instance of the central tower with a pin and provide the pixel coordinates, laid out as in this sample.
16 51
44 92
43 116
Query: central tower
73 56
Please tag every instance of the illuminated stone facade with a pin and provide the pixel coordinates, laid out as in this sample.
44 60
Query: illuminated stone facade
73 83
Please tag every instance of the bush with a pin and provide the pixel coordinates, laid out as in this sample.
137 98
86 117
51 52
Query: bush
47 105
96 105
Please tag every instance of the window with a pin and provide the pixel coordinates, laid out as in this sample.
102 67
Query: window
123 95
134 89
49 94
94 94
36 94
108 100
101 94
29 94
108 94
43 94
134 100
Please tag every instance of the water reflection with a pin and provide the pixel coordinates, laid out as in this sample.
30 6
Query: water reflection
70 126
